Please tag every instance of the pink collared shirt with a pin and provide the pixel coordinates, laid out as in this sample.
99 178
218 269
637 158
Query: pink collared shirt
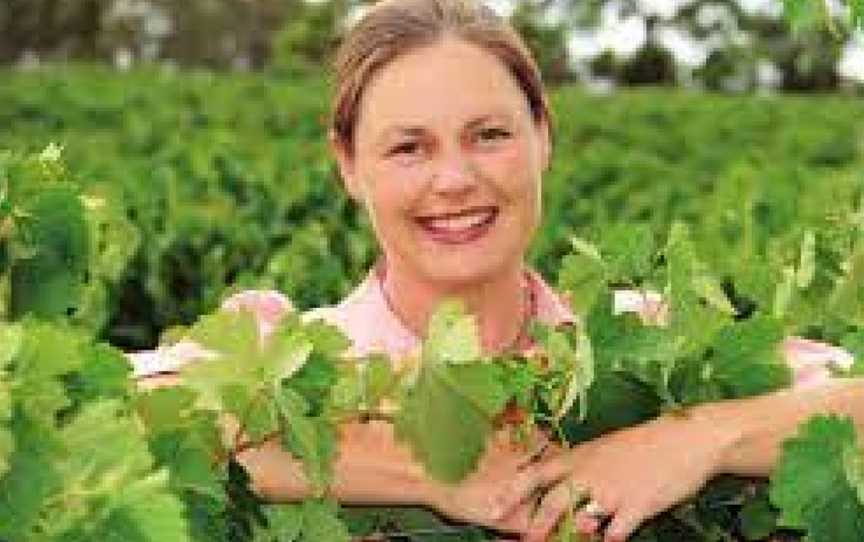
366 319
364 316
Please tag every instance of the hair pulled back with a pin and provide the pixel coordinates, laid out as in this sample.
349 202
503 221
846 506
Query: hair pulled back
392 28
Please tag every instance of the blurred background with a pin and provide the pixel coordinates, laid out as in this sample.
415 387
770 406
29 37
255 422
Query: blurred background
198 129
726 45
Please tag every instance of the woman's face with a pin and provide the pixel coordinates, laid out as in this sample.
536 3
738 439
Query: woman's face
447 162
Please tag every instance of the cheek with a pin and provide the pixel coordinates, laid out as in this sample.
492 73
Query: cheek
512 169
389 194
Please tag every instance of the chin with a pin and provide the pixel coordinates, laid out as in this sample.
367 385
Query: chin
462 273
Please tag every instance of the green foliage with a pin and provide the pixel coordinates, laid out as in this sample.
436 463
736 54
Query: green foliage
817 484
808 14
750 222
447 416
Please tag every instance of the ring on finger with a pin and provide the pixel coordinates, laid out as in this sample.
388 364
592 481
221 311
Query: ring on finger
595 510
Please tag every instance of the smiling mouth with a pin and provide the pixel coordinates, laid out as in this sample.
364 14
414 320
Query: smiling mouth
459 227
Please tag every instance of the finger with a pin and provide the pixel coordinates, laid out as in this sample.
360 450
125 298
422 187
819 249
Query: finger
534 477
537 447
585 524
518 521
623 524
555 504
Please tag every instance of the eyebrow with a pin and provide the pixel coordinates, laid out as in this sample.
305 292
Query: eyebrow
416 130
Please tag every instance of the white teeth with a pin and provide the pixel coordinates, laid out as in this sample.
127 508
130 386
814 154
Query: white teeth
458 223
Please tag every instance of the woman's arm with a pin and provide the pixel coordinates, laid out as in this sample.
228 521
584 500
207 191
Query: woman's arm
372 467
758 426
636 473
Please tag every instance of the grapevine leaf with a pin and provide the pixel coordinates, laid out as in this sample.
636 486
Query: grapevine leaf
284 523
847 300
644 353
321 522
627 251
230 334
811 485
310 439
807 262
30 479
145 511
105 373
379 381
583 277
575 362
256 411
189 455
165 409
447 417
452 336
47 282
698 308
243 360
314 381
11 337
857 12
327 339
802 14
746 358
758 518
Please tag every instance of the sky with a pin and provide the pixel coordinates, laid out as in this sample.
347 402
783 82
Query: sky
626 35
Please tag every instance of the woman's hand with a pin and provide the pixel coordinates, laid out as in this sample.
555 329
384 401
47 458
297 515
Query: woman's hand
480 497
631 475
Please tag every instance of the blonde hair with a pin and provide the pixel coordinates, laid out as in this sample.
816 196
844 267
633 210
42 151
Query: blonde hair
394 27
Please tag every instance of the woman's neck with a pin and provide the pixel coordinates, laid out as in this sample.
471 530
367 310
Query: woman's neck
501 303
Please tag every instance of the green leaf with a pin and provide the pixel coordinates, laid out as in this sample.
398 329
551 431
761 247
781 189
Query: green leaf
628 250
569 353
746 358
583 277
447 417
30 480
166 408
255 411
803 14
811 485
105 373
379 381
758 518
321 522
807 262
144 511
243 360
643 353
452 335
314 381
698 308
11 338
847 299
47 280
230 334
312 440
284 523
857 12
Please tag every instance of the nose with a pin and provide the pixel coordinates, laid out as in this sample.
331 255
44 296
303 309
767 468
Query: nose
454 173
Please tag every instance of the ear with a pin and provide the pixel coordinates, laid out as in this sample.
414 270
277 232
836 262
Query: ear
345 161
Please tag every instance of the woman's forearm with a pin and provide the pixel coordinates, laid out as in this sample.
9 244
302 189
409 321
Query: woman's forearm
753 430
371 467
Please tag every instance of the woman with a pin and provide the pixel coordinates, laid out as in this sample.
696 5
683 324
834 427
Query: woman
441 132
